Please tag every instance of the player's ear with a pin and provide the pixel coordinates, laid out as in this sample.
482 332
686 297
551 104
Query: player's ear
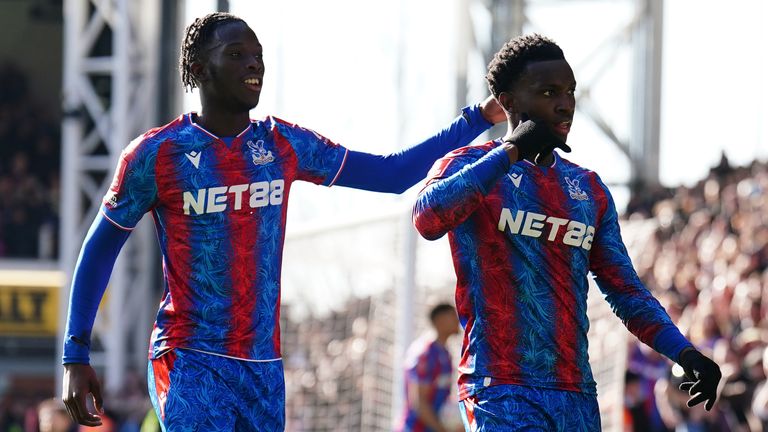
199 71
507 102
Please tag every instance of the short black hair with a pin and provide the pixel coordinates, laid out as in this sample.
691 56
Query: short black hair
196 37
440 309
509 63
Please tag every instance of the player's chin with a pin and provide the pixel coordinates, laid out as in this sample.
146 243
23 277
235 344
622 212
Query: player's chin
249 103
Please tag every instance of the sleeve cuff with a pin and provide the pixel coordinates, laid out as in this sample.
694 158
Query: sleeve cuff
75 352
474 116
671 343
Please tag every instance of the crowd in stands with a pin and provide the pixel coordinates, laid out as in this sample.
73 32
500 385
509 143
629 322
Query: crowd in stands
29 170
707 263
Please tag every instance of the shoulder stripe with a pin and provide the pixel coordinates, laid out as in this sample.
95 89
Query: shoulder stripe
341 167
115 223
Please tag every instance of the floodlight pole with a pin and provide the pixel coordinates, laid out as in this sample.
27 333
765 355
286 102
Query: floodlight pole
109 97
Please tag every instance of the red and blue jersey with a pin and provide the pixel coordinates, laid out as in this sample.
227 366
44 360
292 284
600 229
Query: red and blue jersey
524 239
219 210
428 363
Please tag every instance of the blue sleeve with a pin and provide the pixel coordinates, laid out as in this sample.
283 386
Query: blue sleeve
94 266
455 189
396 172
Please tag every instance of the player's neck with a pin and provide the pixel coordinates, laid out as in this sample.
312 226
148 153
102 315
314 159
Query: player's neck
442 339
223 124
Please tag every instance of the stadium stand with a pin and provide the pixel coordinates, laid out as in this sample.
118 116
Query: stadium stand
29 171
707 261
705 257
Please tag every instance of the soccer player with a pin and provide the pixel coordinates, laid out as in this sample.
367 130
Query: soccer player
428 374
217 186
525 227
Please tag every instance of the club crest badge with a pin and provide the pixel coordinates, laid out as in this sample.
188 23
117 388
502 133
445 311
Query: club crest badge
575 191
259 154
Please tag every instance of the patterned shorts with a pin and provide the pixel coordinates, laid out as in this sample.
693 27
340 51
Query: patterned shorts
195 391
519 408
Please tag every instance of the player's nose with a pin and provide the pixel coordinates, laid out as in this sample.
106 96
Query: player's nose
255 63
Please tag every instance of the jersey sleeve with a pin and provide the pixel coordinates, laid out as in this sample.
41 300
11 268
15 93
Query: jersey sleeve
396 172
319 160
456 185
630 300
133 191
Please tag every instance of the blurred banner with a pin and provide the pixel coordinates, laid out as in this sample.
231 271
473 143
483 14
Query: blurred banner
29 302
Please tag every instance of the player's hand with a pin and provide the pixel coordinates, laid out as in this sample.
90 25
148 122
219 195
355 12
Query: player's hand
703 377
534 139
492 111
79 381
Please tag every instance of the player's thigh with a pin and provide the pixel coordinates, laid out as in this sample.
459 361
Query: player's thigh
189 394
518 408
261 396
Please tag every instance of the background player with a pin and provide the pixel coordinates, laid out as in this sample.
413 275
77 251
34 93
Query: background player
526 226
428 374
217 185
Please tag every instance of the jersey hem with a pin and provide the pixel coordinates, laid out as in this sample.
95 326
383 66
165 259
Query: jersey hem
169 349
470 389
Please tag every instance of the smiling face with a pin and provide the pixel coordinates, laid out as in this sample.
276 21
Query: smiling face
545 92
231 71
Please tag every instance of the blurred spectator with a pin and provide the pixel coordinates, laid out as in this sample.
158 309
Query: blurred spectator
29 171
53 417
428 375
707 262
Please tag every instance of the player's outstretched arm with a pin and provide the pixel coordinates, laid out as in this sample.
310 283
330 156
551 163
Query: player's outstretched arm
395 173
94 266
703 378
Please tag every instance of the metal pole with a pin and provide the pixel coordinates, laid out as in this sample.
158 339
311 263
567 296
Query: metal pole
71 134
646 111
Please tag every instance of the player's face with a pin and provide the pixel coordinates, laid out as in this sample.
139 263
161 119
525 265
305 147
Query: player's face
447 323
545 92
235 68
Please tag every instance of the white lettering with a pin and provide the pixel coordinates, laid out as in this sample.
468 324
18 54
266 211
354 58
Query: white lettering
276 197
533 224
506 220
530 224
574 234
556 224
238 191
198 204
259 194
215 199
588 238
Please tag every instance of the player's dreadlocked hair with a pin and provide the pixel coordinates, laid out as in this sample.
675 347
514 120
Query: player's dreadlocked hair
196 37
510 62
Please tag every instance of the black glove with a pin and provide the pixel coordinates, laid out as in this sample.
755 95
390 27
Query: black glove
703 377
534 139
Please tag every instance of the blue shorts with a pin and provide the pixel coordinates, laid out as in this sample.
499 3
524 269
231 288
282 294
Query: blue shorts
194 391
519 408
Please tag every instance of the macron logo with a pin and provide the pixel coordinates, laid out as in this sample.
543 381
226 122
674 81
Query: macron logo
516 177
193 157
